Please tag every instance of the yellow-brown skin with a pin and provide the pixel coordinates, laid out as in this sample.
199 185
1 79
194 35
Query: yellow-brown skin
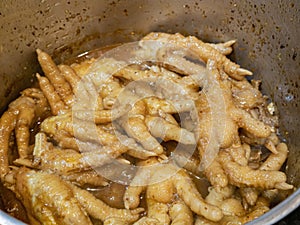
203 50
180 213
47 199
20 116
162 187
55 77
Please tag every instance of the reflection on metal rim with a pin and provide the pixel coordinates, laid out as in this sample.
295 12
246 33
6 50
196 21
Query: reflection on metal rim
6 219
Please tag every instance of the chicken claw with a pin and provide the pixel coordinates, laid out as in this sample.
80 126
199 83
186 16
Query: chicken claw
22 113
145 220
158 211
52 72
214 105
242 176
202 50
188 192
166 180
99 210
139 183
135 127
56 104
165 130
49 199
225 48
7 125
64 161
180 213
216 175
275 161
82 130
115 221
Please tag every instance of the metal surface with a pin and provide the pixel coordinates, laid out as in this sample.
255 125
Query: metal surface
266 33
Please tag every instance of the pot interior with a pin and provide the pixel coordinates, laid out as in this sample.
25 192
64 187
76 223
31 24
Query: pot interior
266 34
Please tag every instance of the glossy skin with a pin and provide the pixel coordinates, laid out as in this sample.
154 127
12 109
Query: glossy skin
21 115
48 199
159 192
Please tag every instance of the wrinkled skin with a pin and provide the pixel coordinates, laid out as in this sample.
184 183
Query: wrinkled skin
50 200
21 115
160 191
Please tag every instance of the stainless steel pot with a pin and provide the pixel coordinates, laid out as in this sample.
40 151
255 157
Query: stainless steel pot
267 35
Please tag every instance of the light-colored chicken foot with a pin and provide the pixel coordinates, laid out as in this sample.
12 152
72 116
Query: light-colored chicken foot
134 149
22 131
216 196
225 48
115 221
153 106
232 207
242 176
161 128
214 105
82 130
52 72
246 96
224 199
270 142
240 153
89 177
215 174
166 180
7 125
161 189
39 190
187 190
135 127
190 163
66 140
139 183
145 220
63 161
21 114
273 163
99 210
70 75
180 213
41 103
31 106
261 207
200 220
188 84
249 195
158 211
55 102
202 50
174 59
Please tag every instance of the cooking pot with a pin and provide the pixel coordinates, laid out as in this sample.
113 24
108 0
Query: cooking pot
266 34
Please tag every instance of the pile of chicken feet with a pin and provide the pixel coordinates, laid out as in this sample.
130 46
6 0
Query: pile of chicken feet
55 139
